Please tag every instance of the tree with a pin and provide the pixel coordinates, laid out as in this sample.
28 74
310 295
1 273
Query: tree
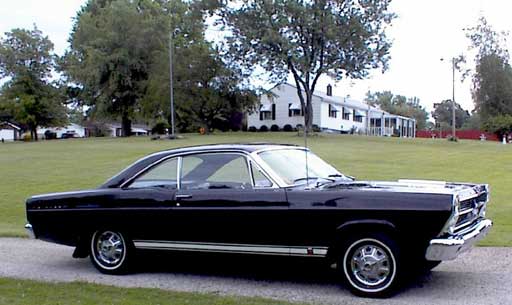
492 78
28 97
309 39
113 43
443 113
501 125
400 105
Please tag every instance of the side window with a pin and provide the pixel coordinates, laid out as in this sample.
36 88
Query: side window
162 175
215 171
260 180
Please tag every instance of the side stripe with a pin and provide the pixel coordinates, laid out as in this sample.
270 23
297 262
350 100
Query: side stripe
231 248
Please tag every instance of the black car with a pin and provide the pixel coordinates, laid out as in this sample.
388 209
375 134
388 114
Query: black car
266 199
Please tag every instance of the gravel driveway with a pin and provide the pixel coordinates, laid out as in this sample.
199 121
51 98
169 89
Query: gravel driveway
483 276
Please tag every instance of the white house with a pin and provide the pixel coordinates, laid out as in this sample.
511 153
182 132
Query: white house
9 131
330 113
72 129
137 130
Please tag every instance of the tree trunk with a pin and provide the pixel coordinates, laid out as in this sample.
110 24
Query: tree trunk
126 126
308 115
33 134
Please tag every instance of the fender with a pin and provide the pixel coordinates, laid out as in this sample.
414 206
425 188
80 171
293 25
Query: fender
378 222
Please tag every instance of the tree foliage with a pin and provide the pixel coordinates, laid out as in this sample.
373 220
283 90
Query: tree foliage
500 125
400 105
443 113
492 78
309 39
28 96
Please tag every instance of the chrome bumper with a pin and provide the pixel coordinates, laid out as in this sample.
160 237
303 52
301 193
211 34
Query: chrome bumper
30 231
443 249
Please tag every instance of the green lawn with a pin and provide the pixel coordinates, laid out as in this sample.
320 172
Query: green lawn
33 168
21 292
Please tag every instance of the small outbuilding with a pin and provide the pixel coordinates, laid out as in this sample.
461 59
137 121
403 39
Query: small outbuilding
10 131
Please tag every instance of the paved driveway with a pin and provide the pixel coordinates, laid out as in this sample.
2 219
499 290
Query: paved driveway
483 276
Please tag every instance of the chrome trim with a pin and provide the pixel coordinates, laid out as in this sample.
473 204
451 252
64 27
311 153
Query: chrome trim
30 231
449 248
231 248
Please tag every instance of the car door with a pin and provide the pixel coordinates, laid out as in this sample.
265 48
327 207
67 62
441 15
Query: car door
226 204
148 201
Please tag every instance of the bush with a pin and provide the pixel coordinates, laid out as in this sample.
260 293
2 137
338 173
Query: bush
316 128
263 128
287 128
160 128
274 128
252 129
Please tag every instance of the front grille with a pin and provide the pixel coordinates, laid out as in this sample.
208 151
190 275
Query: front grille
470 210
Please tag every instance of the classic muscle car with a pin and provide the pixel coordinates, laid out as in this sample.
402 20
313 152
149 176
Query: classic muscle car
266 199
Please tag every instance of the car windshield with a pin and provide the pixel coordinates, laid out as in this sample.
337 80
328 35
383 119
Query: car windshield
290 165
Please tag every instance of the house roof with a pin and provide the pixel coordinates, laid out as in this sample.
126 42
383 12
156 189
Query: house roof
12 125
375 112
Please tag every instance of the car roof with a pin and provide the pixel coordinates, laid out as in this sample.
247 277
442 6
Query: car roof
246 147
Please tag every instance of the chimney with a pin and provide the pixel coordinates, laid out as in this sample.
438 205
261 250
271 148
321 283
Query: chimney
329 90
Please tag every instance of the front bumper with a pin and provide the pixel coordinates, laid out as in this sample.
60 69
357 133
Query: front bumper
30 231
443 249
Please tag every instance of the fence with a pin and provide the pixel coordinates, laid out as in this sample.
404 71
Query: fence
461 134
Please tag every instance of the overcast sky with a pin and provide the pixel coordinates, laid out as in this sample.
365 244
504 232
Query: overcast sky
424 32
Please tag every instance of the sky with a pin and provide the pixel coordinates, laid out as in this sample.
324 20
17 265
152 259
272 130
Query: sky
424 32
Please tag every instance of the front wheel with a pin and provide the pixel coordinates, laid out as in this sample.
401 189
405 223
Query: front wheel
371 265
110 252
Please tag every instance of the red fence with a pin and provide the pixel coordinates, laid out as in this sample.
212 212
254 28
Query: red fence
461 134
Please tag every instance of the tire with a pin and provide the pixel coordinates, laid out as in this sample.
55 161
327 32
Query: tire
111 252
371 265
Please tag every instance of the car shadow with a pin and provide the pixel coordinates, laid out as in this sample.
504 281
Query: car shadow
295 270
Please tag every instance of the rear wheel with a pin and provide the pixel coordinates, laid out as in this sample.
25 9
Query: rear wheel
371 265
110 252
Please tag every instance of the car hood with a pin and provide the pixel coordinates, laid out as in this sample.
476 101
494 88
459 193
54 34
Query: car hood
463 190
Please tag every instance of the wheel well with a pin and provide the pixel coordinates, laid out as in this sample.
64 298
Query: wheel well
358 228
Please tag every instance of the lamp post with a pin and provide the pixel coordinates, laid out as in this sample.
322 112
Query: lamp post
171 84
453 96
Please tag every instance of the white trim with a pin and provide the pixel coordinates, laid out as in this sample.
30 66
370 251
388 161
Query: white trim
231 248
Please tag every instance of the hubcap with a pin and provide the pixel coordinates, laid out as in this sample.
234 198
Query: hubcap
370 265
110 248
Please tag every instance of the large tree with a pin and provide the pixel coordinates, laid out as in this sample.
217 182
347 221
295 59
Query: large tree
400 105
343 38
113 47
492 77
443 114
28 96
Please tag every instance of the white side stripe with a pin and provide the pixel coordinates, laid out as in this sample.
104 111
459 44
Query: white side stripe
231 248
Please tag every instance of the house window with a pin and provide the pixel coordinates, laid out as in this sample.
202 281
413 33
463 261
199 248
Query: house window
346 114
294 109
267 112
333 111
357 116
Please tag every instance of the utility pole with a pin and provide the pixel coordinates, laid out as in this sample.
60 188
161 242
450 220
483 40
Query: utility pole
173 135
453 98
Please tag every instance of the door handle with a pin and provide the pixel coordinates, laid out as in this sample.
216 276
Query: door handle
183 196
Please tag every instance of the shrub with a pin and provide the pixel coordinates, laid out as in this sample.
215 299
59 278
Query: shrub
287 128
252 129
160 127
316 128
274 128
263 128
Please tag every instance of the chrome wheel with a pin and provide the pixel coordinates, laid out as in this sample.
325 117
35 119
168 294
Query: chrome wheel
370 265
108 249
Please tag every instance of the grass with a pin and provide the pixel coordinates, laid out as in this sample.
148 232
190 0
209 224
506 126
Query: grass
33 168
24 292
